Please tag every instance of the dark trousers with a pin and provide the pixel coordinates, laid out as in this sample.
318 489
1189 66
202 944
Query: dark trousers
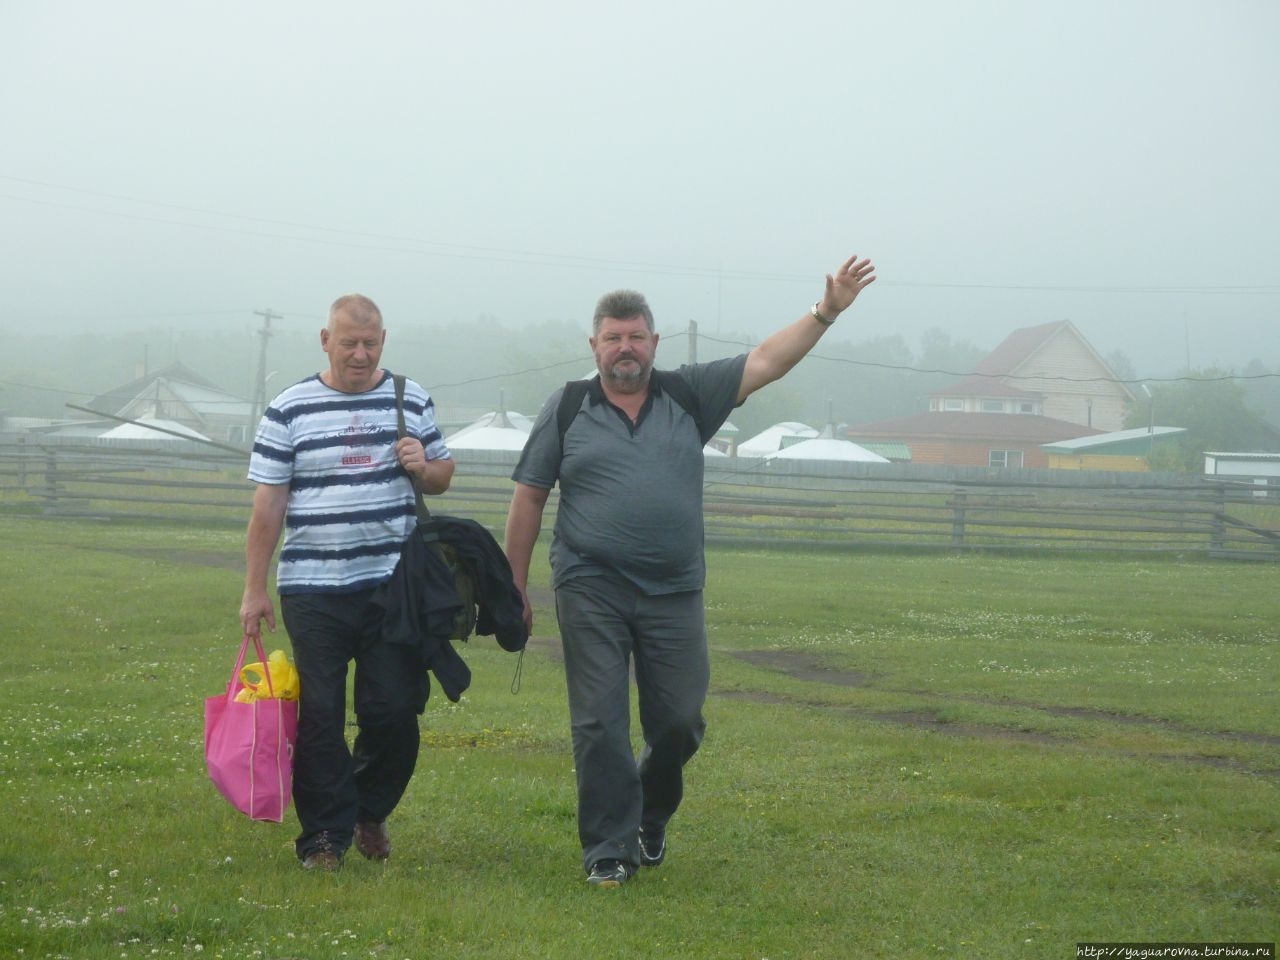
333 786
604 623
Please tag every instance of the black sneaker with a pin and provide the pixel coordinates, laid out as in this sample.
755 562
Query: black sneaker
653 846
610 873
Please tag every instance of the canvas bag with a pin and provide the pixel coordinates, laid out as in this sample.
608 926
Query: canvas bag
248 747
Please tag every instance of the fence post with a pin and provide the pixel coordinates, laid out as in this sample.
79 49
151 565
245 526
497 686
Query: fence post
1217 528
957 519
50 484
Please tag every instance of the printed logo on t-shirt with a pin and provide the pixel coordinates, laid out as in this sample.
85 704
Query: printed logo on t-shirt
358 437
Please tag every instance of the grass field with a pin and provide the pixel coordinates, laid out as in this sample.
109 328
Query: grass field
908 756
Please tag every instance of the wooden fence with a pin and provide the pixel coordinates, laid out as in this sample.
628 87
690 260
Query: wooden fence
746 501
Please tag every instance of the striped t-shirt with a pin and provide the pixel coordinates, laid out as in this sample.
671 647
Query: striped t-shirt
350 502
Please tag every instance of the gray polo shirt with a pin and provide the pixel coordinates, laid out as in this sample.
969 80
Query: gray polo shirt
631 494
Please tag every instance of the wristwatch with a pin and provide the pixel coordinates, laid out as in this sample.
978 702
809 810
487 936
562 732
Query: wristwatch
826 322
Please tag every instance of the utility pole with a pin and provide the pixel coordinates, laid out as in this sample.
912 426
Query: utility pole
260 385
693 341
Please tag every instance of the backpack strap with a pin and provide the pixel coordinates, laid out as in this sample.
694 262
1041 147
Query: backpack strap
676 386
680 391
575 391
419 504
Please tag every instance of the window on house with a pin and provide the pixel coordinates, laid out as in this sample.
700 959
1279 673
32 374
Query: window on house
238 434
1026 407
993 406
950 404
1004 458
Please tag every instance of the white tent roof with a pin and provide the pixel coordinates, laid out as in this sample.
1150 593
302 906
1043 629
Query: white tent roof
140 431
770 440
827 448
488 438
496 430
494 420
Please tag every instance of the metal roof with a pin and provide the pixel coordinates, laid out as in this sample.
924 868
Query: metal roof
1022 427
1115 438
1242 456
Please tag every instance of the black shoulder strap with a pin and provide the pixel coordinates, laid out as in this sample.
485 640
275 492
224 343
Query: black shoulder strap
682 393
419 504
575 391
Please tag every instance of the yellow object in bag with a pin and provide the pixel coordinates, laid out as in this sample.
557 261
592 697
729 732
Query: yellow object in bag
284 679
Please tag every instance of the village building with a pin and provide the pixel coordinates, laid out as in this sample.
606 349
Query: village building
1042 385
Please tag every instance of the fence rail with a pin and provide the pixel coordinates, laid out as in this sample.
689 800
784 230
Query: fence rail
746 502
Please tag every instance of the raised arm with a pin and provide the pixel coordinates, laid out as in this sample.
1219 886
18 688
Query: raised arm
781 351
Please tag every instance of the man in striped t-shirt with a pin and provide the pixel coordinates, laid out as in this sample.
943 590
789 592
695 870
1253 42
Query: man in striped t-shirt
333 477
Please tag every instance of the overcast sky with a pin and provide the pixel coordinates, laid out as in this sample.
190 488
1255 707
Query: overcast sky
1005 164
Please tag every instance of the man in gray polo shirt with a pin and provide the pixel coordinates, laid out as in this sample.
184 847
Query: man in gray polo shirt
627 558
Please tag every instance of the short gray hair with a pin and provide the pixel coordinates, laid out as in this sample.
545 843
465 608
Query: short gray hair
359 308
622 305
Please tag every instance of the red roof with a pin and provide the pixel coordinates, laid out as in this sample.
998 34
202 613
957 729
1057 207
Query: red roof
972 426
1018 347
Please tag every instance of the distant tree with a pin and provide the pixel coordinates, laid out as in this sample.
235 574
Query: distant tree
1262 391
856 382
955 357
1121 365
775 403
1214 411
941 361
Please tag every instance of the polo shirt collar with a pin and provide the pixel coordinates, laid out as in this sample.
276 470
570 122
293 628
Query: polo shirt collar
595 392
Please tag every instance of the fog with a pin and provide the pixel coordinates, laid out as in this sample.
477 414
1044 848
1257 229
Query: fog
1004 164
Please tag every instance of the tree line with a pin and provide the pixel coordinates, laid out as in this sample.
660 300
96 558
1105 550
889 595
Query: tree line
475 366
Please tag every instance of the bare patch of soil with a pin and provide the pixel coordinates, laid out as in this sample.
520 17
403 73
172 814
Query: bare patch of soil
802 665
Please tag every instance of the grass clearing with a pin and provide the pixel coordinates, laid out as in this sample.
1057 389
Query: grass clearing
908 756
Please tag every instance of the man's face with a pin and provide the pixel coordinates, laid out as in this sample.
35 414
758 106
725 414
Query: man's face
354 350
624 351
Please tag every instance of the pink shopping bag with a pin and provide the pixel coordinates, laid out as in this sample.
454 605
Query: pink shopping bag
248 747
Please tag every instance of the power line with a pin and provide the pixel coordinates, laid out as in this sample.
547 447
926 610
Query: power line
509 375
396 244
392 242
905 368
1006 376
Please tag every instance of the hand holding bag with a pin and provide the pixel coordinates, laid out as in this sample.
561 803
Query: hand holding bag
248 747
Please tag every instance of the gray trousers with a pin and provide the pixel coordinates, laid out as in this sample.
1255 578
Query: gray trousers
605 622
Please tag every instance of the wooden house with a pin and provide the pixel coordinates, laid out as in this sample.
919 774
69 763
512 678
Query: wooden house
970 439
177 393
1050 371
1042 385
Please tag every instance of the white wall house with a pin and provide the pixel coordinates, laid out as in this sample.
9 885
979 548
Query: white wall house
1261 469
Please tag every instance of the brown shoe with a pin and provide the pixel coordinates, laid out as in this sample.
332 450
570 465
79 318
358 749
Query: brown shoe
325 860
372 840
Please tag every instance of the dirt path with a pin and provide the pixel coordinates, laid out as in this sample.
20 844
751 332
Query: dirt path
801 665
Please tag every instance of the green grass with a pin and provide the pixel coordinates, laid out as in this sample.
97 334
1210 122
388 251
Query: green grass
907 757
